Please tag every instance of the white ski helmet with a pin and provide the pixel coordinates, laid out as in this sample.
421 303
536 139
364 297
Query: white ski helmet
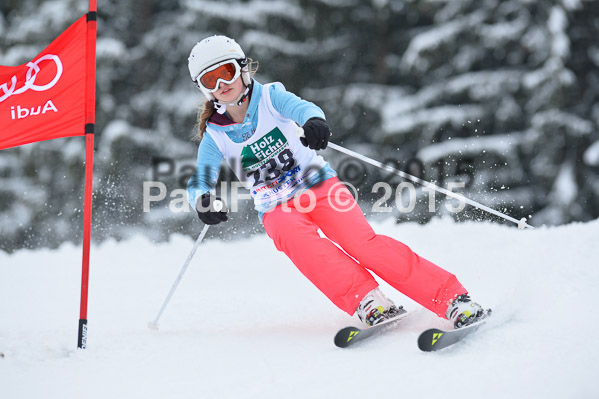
212 50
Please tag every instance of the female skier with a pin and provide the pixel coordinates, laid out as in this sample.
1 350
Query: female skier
254 128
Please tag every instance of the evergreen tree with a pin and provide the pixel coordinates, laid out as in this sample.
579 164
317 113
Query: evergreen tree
498 95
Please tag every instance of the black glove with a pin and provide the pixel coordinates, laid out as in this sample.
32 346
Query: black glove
316 134
208 212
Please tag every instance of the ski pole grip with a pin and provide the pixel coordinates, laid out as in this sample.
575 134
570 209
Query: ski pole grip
218 205
300 132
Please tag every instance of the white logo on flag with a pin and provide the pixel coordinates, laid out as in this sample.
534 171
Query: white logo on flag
30 79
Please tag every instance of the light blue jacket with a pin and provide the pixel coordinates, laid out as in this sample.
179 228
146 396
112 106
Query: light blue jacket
210 157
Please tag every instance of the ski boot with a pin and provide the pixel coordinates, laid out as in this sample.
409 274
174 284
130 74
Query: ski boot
463 311
376 308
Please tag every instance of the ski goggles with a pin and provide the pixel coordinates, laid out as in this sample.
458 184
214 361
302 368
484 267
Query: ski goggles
226 72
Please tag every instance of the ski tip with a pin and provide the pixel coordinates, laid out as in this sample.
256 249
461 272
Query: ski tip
428 339
435 339
344 337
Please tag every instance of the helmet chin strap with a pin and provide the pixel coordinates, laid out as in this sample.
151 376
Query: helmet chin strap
221 108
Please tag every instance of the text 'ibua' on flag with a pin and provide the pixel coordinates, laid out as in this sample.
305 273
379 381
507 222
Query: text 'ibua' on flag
44 99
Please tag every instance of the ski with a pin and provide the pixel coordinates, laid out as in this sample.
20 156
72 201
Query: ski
349 336
435 339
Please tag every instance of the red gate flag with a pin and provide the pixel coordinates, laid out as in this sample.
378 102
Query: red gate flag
45 99
54 96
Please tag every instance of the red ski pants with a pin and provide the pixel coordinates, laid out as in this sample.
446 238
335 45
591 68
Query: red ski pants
341 271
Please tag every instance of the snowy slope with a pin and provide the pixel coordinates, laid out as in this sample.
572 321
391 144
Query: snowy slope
244 323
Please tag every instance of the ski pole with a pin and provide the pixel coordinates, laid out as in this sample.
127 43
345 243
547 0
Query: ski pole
521 223
154 324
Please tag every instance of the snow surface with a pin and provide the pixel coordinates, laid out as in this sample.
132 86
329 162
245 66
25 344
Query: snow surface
244 323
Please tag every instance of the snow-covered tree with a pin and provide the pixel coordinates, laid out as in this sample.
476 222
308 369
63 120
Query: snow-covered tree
499 95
